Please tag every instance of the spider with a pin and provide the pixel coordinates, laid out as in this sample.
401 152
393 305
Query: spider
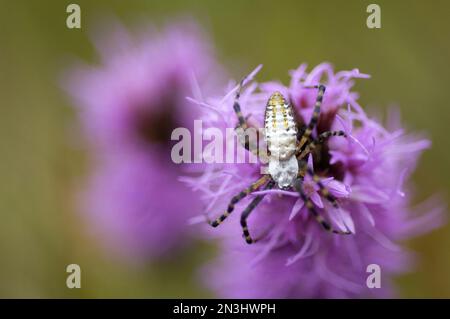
288 145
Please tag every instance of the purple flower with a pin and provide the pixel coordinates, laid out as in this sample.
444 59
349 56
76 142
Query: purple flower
367 172
128 106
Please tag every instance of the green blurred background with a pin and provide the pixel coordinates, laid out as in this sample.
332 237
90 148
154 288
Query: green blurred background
40 231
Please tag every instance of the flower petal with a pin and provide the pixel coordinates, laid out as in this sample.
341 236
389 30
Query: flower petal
347 219
296 209
315 198
368 194
302 252
338 188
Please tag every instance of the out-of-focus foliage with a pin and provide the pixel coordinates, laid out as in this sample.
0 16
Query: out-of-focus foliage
43 164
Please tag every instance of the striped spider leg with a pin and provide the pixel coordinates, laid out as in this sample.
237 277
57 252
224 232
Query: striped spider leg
253 187
252 146
247 211
311 146
244 128
298 186
306 146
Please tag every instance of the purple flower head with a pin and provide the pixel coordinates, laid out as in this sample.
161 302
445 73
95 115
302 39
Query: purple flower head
129 105
366 171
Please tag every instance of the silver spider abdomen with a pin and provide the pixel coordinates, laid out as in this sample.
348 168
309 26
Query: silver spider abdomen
280 127
281 139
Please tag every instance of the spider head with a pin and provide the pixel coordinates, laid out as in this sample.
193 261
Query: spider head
283 172
276 99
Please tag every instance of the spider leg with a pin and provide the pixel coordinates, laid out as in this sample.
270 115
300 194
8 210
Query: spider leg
298 186
242 122
309 204
305 169
323 190
315 115
237 198
320 139
248 210
250 144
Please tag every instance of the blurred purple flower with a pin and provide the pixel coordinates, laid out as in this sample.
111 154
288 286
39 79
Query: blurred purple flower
367 172
128 106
